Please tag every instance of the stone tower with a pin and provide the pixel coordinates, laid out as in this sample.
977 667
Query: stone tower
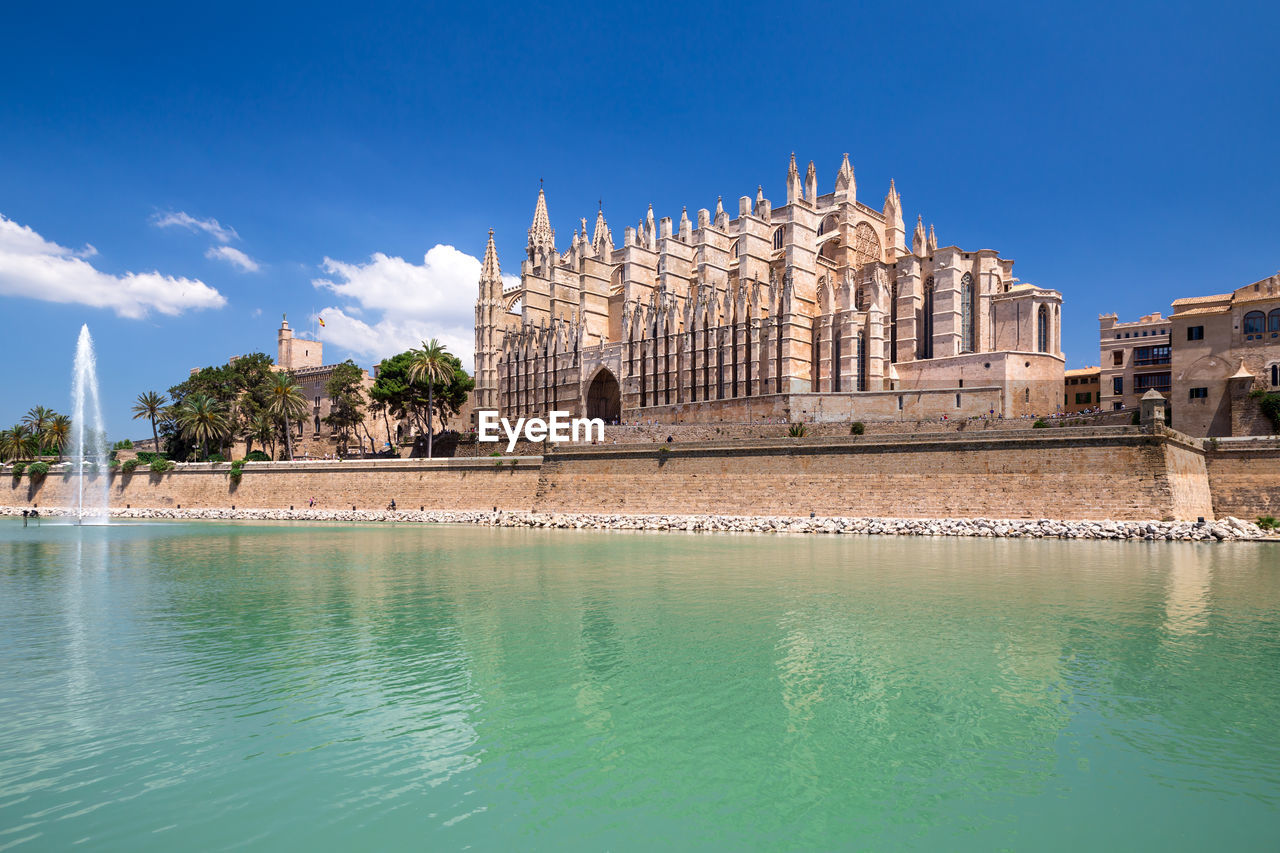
489 332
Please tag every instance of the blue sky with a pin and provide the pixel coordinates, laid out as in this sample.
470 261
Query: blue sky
178 177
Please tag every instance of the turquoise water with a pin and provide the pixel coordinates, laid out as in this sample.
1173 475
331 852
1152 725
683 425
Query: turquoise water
218 686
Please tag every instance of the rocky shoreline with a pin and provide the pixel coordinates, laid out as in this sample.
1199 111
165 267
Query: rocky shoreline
1223 530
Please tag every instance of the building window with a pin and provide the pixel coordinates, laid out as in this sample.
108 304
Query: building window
1275 375
1253 324
957 401
777 239
1151 355
1042 329
1084 399
1199 393
1117 357
1026 395
1117 405
967 315
1273 322
899 402
1117 385
1146 381
1195 333
926 326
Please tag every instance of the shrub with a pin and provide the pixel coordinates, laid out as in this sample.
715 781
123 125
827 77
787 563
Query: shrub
37 470
216 457
147 456
256 456
857 428
1137 417
129 465
18 468
1040 423
123 444
496 453
237 470
797 430
1268 522
1269 404
113 464
1213 443
664 449
160 466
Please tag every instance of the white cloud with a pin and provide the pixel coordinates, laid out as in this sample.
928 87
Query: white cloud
235 257
35 268
212 227
434 299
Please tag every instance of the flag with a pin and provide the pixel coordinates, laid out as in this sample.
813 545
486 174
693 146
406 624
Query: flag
321 319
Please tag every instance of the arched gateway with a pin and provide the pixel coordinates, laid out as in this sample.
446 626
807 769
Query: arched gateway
604 397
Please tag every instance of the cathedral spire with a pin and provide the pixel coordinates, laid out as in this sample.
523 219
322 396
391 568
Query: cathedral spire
542 238
845 183
811 184
933 240
601 238
490 269
917 239
794 191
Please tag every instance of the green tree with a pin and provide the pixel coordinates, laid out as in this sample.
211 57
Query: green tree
405 399
242 386
150 405
345 389
263 429
203 419
287 402
429 365
19 443
58 433
38 419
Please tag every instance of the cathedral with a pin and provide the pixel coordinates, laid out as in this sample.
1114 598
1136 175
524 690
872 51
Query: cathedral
812 311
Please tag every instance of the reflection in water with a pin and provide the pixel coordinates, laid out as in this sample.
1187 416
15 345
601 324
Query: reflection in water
332 686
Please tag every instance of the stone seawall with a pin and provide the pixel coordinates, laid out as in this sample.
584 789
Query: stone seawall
454 484
1245 479
1119 473
1102 473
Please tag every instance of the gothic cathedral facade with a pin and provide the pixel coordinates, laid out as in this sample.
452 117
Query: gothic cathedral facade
813 311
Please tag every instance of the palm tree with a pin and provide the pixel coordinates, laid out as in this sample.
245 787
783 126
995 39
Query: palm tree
431 363
19 443
202 419
37 419
286 402
150 405
58 433
262 429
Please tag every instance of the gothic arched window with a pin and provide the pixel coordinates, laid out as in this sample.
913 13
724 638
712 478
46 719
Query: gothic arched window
777 239
1042 329
968 316
926 321
1273 321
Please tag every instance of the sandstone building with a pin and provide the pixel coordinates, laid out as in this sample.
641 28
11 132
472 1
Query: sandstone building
1208 358
814 310
1224 348
1082 390
305 358
1135 357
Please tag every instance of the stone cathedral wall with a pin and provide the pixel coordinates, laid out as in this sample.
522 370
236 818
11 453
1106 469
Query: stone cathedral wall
1072 473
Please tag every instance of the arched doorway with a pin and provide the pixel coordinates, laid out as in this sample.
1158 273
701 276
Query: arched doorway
604 397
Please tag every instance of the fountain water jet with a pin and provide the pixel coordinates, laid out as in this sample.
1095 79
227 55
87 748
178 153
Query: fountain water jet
89 446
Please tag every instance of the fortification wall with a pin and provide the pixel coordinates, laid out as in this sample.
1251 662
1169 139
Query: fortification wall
1026 473
1245 480
434 484
1029 474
